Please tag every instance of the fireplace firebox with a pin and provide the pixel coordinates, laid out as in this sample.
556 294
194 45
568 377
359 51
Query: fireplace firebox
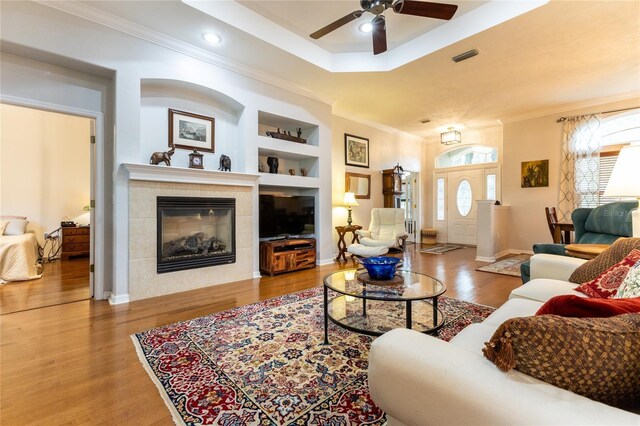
195 232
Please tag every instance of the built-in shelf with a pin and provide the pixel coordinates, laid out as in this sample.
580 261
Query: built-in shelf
284 149
268 122
288 181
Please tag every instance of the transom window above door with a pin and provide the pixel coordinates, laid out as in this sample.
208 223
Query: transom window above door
466 155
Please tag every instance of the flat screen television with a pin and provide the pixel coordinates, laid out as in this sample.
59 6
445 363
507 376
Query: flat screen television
286 216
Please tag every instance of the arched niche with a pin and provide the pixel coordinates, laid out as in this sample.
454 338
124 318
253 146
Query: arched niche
160 95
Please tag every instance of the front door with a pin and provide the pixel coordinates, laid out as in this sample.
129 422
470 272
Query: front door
464 188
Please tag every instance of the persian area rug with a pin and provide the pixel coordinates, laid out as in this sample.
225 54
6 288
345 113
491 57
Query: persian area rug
265 364
509 266
440 248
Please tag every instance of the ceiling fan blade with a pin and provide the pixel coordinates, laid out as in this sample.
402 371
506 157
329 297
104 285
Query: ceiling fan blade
379 35
426 9
337 24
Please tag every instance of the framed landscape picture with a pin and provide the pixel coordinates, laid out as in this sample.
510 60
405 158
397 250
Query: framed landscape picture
356 151
534 174
191 131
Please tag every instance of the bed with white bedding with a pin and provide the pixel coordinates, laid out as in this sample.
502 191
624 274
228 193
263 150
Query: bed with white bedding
19 258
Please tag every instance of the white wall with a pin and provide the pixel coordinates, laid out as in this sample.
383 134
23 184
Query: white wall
386 149
44 166
537 139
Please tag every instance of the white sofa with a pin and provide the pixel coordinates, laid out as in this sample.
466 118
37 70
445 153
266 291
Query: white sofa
421 380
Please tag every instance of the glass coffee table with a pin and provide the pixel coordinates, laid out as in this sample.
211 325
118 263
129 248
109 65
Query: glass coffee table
358 304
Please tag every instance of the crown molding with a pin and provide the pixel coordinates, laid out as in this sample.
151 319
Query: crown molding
108 20
568 108
378 126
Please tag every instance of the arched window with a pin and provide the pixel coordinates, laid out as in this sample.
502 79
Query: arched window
465 155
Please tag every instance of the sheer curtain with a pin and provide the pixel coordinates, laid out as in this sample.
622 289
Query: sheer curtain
579 176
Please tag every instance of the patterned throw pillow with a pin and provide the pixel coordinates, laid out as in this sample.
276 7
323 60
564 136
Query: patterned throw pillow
630 287
606 285
605 260
595 357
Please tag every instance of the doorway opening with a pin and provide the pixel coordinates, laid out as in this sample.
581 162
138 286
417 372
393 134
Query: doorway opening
48 177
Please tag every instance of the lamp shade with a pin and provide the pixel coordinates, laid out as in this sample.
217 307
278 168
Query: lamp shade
350 199
625 177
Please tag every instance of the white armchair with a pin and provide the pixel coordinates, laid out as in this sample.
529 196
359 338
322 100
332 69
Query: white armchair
386 229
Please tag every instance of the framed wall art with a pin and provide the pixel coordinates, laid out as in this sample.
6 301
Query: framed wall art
534 174
191 131
356 151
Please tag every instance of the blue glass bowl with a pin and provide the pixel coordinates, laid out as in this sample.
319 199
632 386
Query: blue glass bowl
381 267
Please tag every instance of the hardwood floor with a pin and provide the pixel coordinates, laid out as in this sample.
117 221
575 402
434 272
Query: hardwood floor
62 282
75 363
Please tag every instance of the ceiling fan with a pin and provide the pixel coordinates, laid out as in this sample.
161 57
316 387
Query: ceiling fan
377 7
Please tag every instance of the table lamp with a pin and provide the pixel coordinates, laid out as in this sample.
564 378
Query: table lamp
349 201
625 180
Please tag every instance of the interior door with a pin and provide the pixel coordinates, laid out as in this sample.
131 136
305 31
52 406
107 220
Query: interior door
92 210
464 188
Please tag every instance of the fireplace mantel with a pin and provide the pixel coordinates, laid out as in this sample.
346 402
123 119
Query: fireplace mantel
151 173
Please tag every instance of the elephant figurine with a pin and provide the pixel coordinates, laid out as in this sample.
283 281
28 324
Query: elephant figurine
225 163
162 157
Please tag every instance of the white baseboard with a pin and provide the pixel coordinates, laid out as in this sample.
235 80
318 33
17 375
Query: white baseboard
119 299
322 262
256 274
485 259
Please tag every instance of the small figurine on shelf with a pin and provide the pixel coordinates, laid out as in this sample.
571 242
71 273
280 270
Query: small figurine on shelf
299 132
272 162
225 163
162 157
292 172
260 167
303 171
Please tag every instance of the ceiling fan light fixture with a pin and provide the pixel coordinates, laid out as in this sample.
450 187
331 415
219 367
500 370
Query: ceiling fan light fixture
466 55
211 38
366 27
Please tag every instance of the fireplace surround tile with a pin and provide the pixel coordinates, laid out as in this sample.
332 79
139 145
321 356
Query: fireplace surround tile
143 271
142 238
144 281
244 232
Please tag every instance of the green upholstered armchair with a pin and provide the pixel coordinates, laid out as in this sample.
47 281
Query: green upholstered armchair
599 225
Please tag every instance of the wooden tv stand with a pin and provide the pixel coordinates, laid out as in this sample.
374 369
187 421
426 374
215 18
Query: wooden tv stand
281 256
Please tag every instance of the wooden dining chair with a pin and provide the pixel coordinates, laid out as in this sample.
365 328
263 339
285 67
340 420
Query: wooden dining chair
560 233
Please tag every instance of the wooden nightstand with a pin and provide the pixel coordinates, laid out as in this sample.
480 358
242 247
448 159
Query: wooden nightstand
75 242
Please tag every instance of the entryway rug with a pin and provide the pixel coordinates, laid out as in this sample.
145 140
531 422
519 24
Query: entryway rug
265 364
509 266
440 248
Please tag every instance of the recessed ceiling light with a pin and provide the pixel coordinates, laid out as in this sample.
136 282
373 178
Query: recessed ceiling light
366 27
211 38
